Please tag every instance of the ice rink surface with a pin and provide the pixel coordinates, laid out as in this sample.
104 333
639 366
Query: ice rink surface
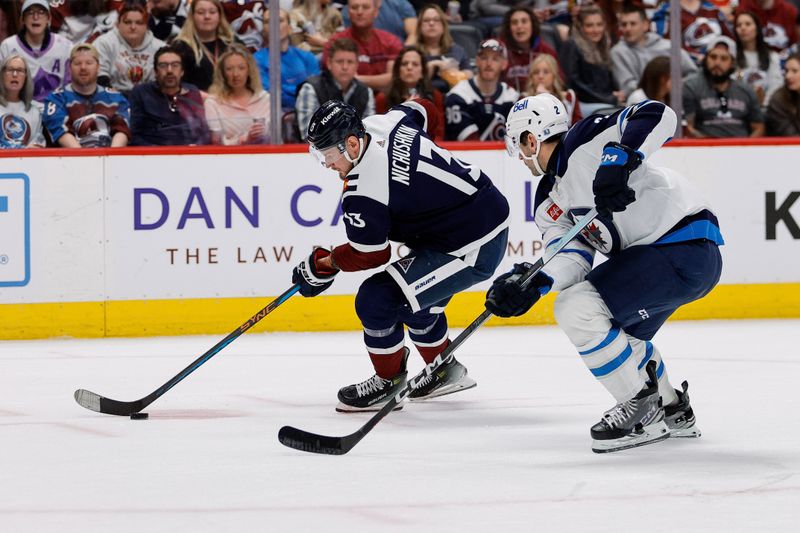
511 455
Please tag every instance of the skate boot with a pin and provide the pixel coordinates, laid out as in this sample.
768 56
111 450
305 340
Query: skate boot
449 378
372 394
634 422
680 417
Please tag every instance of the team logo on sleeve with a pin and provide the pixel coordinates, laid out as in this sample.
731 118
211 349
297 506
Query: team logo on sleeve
601 234
554 211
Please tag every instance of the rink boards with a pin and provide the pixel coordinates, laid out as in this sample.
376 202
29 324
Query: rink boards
160 241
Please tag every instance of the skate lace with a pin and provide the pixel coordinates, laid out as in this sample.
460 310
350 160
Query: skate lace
373 384
620 413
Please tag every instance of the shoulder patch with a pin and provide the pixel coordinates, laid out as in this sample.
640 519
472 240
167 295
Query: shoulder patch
554 211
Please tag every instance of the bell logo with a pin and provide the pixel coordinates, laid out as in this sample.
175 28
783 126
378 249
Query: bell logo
522 104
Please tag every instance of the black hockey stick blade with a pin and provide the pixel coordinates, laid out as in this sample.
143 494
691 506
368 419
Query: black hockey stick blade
306 441
101 404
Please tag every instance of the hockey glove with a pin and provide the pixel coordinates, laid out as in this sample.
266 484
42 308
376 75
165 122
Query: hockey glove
312 278
507 298
611 191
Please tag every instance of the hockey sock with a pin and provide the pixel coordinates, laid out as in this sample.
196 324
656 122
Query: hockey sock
388 365
586 319
644 351
429 353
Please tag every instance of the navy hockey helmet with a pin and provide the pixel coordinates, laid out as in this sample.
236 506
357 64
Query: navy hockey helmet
332 124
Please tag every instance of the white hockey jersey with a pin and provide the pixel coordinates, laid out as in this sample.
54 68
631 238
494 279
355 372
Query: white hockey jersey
49 66
668 208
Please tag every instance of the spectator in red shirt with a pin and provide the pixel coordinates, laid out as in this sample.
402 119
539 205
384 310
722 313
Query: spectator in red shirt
376 48
410 81
777 19
520 34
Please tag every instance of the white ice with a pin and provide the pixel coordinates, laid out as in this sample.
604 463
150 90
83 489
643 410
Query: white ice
511 455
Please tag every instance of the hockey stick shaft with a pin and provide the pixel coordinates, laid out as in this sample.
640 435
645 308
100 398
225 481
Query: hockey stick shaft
310 442
98 403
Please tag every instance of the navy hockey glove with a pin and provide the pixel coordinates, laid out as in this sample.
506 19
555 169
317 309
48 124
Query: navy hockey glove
313 279
611 191
507 298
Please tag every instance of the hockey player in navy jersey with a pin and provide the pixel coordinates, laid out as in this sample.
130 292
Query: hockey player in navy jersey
400 186
661 239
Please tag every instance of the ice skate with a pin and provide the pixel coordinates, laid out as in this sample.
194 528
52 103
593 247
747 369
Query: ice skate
451 377
634 422
680 417
373 393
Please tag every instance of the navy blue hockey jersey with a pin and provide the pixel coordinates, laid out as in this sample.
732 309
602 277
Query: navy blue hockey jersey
471 115
407 189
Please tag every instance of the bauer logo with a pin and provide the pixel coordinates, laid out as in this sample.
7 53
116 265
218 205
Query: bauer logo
14 230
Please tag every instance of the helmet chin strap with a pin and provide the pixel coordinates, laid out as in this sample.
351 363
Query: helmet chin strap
535 160
358 156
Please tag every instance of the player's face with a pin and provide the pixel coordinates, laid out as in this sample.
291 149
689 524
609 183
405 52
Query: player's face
334 159
132 27
36 20
431 25
633 27
362 13
792 76
719 60
84 68
542 75
283 27
235 72
205 16
527 153
490 65
521 27
746 28
593 28
169 71
411 69
343 66
14 74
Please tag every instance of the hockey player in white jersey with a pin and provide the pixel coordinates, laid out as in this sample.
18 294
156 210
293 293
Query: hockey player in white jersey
400 186
661 239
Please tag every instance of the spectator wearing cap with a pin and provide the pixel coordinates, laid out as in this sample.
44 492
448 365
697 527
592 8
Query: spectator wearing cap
476 109
84 114
714 104
46 53
377 49
126 52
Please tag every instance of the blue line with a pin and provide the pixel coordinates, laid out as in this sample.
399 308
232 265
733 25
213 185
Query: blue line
608 340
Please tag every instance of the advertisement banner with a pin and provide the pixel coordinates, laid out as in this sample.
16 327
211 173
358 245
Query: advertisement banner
15 253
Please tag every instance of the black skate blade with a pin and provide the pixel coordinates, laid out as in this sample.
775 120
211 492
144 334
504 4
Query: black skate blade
655 433
444 391
311 442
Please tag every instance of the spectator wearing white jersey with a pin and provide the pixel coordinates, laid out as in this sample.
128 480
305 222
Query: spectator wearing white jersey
46 53
20 120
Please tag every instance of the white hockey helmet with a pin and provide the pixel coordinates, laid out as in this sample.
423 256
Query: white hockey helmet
543 115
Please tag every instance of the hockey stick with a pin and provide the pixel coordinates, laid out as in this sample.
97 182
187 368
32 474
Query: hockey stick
95 402
311 442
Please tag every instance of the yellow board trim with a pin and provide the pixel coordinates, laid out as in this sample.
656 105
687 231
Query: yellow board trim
139 318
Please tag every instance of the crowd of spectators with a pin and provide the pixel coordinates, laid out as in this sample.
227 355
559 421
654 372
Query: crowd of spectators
89 73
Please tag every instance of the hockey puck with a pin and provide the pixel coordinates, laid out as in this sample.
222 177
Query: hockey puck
139 416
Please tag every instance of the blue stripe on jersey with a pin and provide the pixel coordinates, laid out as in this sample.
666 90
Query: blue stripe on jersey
648 353
605 342
613 364
660 370
584 254
700 229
